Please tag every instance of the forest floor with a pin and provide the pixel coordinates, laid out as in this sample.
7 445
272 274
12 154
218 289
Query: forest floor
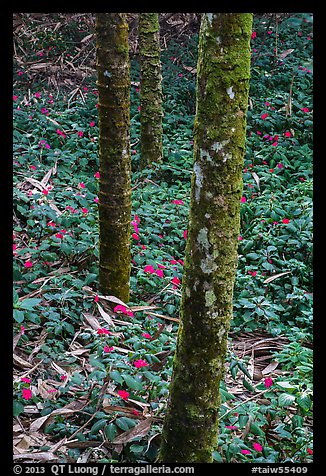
91 373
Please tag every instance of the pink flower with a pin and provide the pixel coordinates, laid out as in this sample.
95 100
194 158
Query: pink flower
146 335
96 299
140 363
80 133
149 269
159 273
305 109
138 108
81 185
22 330
44 111
27 393
253 35
92 124
97 175
63 377
135 236
268 382
269 32
280 166
285 221
96 199
102 330
245 452
25 380
231 427
274 144
28 264
257 447
85 211
59 236
180 75
287 134
178 202
176 280
15 98
37 95
263 116
185 234
124 310
310 451
240 238
45 191
60 133
123 394
107 349
243 200
253 273
20 73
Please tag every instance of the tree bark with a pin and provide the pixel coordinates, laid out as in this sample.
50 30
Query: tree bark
114 151
191 422
150 89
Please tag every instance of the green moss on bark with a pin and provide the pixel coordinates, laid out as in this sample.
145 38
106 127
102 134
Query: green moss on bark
150 89
114 151
191 423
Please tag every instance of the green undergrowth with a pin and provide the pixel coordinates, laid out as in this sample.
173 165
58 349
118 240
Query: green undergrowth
55 262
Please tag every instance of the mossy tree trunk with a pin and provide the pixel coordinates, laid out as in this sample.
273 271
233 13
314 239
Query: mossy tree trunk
191 423
150 89
113 82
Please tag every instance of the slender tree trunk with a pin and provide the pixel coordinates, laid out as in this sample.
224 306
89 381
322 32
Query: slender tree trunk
191 423
150 89
114 150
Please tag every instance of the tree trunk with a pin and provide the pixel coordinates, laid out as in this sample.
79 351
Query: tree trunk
114 151
191 423
150 89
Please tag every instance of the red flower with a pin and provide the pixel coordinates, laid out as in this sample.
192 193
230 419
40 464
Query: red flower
28 264
92 124
178 202
305 109
253 35
97 175
176 280
84 210
96 298
287 134
185 234
25 380
310 451
123 394
135 236
285 221
263 116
